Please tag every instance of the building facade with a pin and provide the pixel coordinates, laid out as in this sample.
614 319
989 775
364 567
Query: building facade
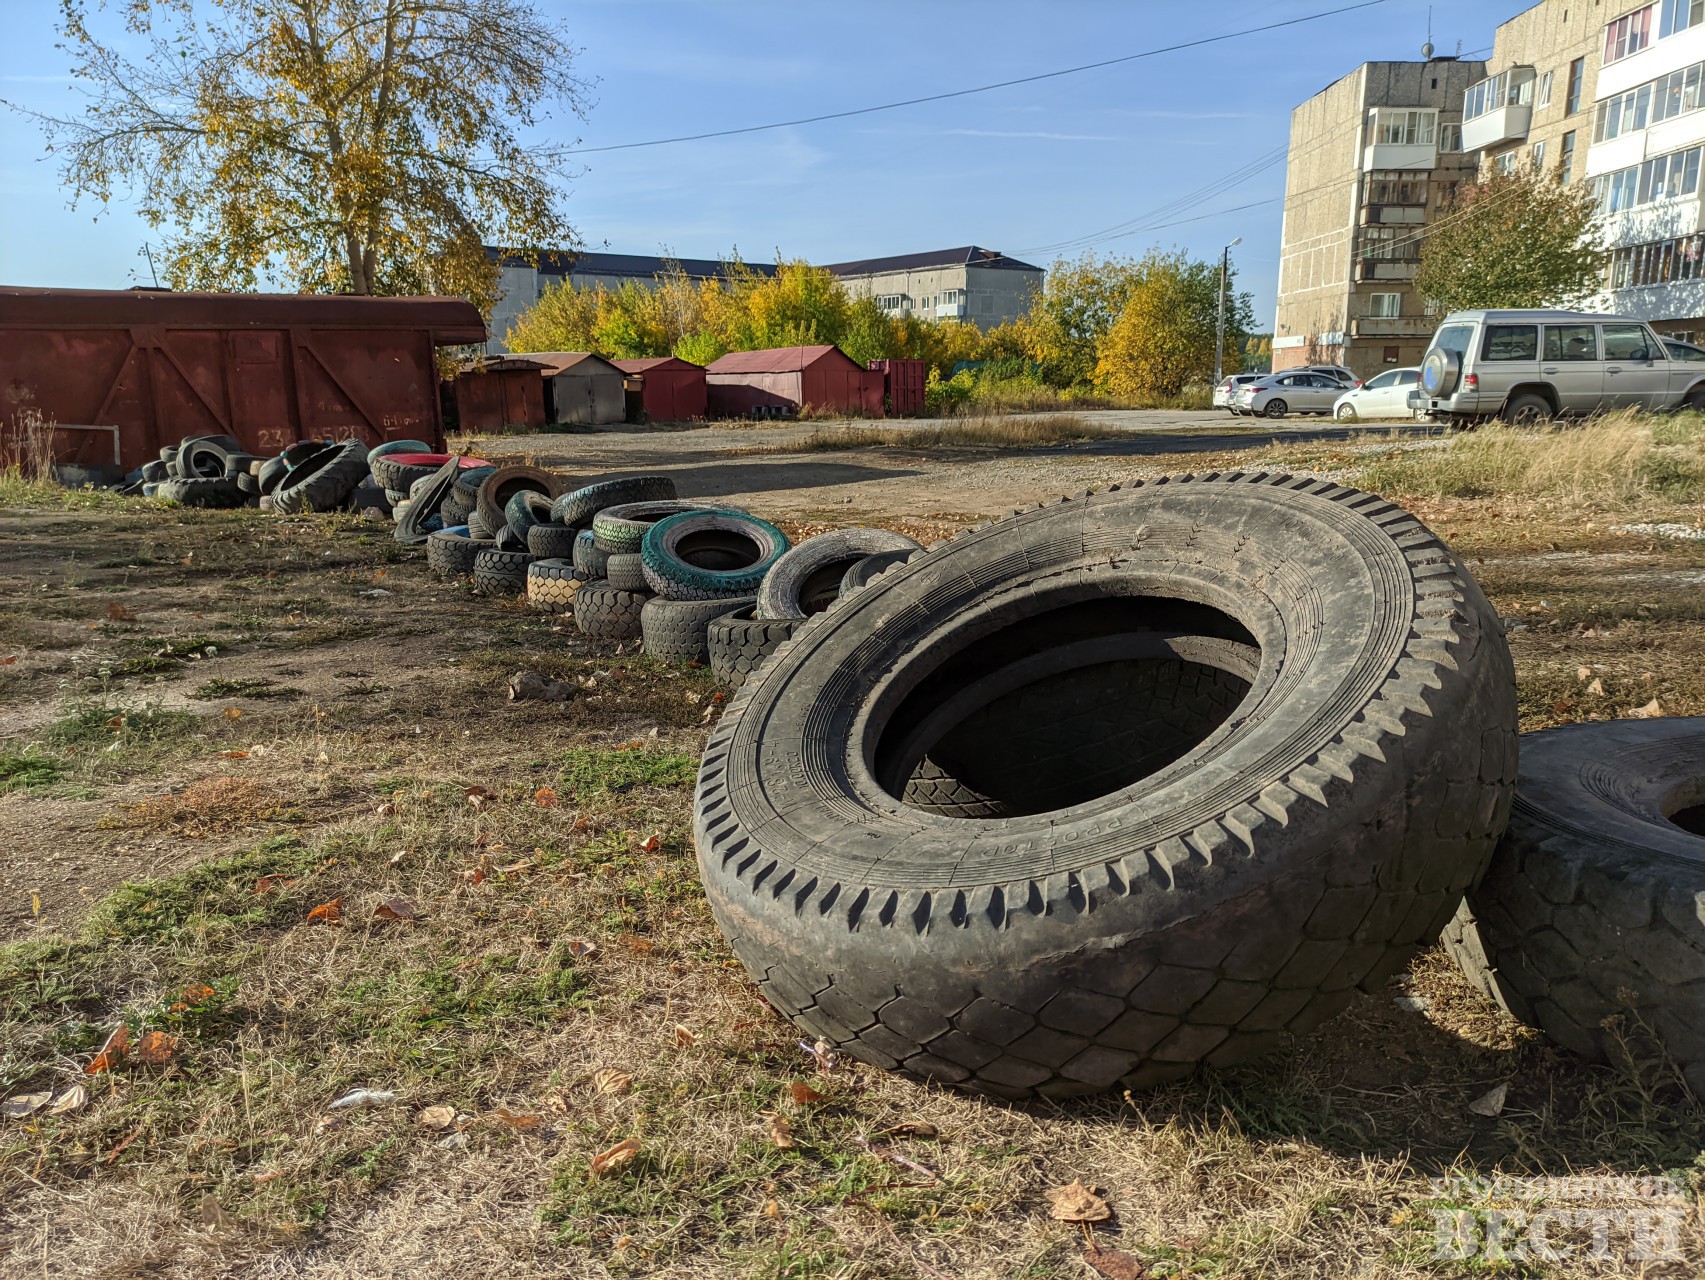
978 286
1374 158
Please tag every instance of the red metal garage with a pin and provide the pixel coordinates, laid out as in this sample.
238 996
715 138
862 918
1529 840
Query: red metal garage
745 384
671 389
903 383
495 394
268 369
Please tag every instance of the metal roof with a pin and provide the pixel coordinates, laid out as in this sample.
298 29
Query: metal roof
555 362
499 364
640 266
452 321
648 363
969 256
776 360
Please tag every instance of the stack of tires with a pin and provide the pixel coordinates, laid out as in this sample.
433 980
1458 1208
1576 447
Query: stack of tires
484 516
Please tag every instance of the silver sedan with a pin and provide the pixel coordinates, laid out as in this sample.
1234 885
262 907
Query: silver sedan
1281 393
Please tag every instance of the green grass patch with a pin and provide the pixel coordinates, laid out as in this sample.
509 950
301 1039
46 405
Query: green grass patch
591 771
98 725
220 895
26 771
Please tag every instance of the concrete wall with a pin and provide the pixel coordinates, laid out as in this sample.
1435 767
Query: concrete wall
993 295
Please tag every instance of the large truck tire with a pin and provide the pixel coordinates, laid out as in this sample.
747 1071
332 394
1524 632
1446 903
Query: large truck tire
1180 865
1590 922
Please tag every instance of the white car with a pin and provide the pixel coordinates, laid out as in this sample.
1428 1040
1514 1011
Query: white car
1225 393
1385 396
1294 391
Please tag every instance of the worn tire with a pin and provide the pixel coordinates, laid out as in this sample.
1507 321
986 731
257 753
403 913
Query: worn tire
1591 908
295 455
710 555
207 455
501 573
396 446
607 615
577 508
868 569
527 509
468 486
1132 914
740 642
271 474
807 579
677 630
626 572
154 471
551 541
589 558
551 585
322 481
477 528
202 491
504 483
451 552
401 470
622 528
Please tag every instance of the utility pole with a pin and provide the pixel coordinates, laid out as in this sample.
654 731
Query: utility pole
1219 333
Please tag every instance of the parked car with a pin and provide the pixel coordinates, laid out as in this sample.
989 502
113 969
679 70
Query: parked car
1385 396
1225 394
1337 371
1531 366
1293 391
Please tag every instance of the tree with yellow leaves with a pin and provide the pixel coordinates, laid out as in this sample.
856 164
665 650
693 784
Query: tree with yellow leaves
360 146
1163 339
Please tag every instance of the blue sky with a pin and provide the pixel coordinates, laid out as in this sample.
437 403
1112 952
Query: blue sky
1018 170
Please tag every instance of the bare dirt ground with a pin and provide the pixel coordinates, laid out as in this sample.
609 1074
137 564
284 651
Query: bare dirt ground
216 725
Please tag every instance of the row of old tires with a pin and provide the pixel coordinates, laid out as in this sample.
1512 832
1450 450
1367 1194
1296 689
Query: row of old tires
633 562
1160 776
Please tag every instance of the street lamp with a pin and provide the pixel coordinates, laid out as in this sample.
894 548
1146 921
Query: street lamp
1219 334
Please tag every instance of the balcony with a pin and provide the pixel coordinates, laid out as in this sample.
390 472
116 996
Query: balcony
1498 109
1496 127
1400 155
950 311
1370 269
1393 326
1394 215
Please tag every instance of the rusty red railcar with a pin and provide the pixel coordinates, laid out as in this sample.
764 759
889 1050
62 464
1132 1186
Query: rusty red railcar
267 369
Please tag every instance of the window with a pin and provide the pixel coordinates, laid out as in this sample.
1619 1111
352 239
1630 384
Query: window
1660 178
1389 244
1684 351
1490 94
1539 155
1388 187
893 301
1450 137
1455 338
1680 15
1572 100
1405 128
1405 377
1628 35
1571 342
1385 305
1388 355
1511 342
1662 99
1505 163
1542 95
1447 193
1636 265
1622 114
1566 158
1626 342
1380 383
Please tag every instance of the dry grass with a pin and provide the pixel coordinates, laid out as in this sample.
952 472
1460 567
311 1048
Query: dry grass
984 431
211 806
1616 461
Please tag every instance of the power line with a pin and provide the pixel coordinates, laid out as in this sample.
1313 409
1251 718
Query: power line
983 88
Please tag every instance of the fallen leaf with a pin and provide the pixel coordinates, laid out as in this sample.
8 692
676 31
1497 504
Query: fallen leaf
21 1105
1596 687
772 1209
1077 1203
196 992
396 909
155 1049
580 948
233 713
523 1121
112 1052
545 798
1115 1264
912 1129
617 1157
268 1175
781 1133
364 1098
385 810
610 1080
1583 673
683 1038
234 755
439 1117
803 1093
477 796
264 883
118 613
72 1099
633 942
1491 1102
1651 711
327 912
650 844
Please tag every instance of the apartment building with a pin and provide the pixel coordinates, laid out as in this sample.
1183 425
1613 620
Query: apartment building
1374 158
980 286
1535 105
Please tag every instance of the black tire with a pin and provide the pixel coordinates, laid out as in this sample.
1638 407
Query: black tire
477 527
807 579
504 483
576 509
626 572
501 573
169 455
1590 909
154 472
527 509
868 569
451 552
239 464
396 446
710 555
246 483
202 491
207 455
468 487
551 585
675 630
607 615
622 528
403 476
1275 409
1528 410
323 481
589 558
1181 878
295 455
271 474
739 643
452 510
551 541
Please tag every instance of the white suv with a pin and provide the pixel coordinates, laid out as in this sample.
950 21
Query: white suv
1532 366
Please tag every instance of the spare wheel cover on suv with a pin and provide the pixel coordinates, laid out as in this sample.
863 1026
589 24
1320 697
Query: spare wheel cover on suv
1440 371
1186 863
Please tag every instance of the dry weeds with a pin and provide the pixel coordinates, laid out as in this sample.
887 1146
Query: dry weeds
984 431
